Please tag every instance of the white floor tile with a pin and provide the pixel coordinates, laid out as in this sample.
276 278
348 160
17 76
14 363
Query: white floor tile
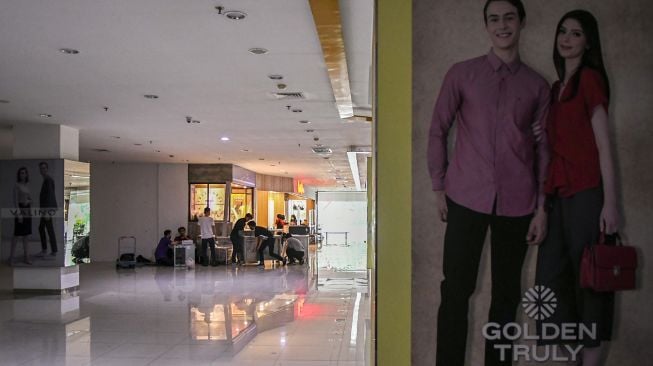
146 317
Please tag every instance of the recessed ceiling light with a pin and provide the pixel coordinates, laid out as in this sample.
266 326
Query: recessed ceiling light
138 144
172 156
304 121
258 51
235 15
309 131
116 137
297 111
158 151
273 164
261 159
276 77
45 115
151 96
4 101
68 51
224 138
244 150
195 121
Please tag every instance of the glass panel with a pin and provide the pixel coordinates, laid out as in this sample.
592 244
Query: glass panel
77 211
241 202
198 197
342 221
216 201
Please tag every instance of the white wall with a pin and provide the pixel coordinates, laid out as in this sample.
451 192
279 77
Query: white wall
138 200
173 196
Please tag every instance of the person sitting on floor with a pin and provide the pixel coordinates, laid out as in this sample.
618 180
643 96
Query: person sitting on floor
295 249
163 253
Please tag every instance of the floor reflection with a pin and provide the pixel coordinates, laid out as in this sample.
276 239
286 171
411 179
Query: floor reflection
209 316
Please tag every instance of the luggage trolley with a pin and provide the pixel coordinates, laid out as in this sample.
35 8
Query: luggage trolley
126 252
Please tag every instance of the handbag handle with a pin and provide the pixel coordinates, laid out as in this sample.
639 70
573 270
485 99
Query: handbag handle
615 235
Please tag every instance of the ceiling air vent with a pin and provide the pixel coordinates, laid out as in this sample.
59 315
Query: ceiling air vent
288 95
323 150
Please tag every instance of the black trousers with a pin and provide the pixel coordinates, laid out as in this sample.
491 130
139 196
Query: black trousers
237 253
211 244
573 225
46 224
294 255
269 243
463 244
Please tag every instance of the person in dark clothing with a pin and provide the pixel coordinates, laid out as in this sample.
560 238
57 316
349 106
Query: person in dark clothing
163 253
181 235
47 200
295 249
264 238
237 240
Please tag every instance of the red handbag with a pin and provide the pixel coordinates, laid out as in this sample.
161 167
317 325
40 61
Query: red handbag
608 267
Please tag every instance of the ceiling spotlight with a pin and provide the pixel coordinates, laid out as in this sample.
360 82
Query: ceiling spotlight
116 137
309 131
225 138
258 51
304 121
235 15
275 77
158 151
172 156
151 96
281 86
4 101
138 144
297 110
261 158
244 150
45 115
68 51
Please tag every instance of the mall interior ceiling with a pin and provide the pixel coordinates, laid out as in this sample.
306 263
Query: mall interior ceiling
244 82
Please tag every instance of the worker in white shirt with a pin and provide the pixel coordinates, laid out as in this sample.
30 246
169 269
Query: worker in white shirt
206 231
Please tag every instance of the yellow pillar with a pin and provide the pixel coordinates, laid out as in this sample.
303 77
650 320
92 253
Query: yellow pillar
393 170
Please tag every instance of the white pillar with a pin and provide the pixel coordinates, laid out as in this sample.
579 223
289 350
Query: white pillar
45 141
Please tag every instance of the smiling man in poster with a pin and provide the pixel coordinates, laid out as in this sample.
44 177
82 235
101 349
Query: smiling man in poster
494 179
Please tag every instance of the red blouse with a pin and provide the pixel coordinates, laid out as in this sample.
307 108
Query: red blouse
574 165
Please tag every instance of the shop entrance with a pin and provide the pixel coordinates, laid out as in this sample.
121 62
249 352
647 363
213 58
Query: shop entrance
342 225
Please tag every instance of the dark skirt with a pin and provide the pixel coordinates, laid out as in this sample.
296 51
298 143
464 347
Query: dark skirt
23 228
573 225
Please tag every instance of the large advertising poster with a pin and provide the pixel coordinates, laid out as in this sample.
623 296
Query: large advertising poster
480 297
32 202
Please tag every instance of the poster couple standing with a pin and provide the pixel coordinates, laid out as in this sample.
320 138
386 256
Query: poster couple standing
533 164
23 213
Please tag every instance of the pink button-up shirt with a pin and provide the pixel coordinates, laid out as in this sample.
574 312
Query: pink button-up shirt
501 152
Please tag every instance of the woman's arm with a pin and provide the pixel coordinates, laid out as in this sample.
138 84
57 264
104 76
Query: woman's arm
609 214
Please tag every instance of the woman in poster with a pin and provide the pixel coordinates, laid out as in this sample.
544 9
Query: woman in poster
22 216
581 179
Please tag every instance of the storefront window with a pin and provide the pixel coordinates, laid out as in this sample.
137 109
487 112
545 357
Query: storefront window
207 195
241 202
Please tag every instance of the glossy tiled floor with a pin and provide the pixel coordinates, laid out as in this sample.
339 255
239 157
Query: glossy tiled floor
208 316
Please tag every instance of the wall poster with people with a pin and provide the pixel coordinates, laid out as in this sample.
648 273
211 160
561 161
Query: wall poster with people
32 206
531 136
